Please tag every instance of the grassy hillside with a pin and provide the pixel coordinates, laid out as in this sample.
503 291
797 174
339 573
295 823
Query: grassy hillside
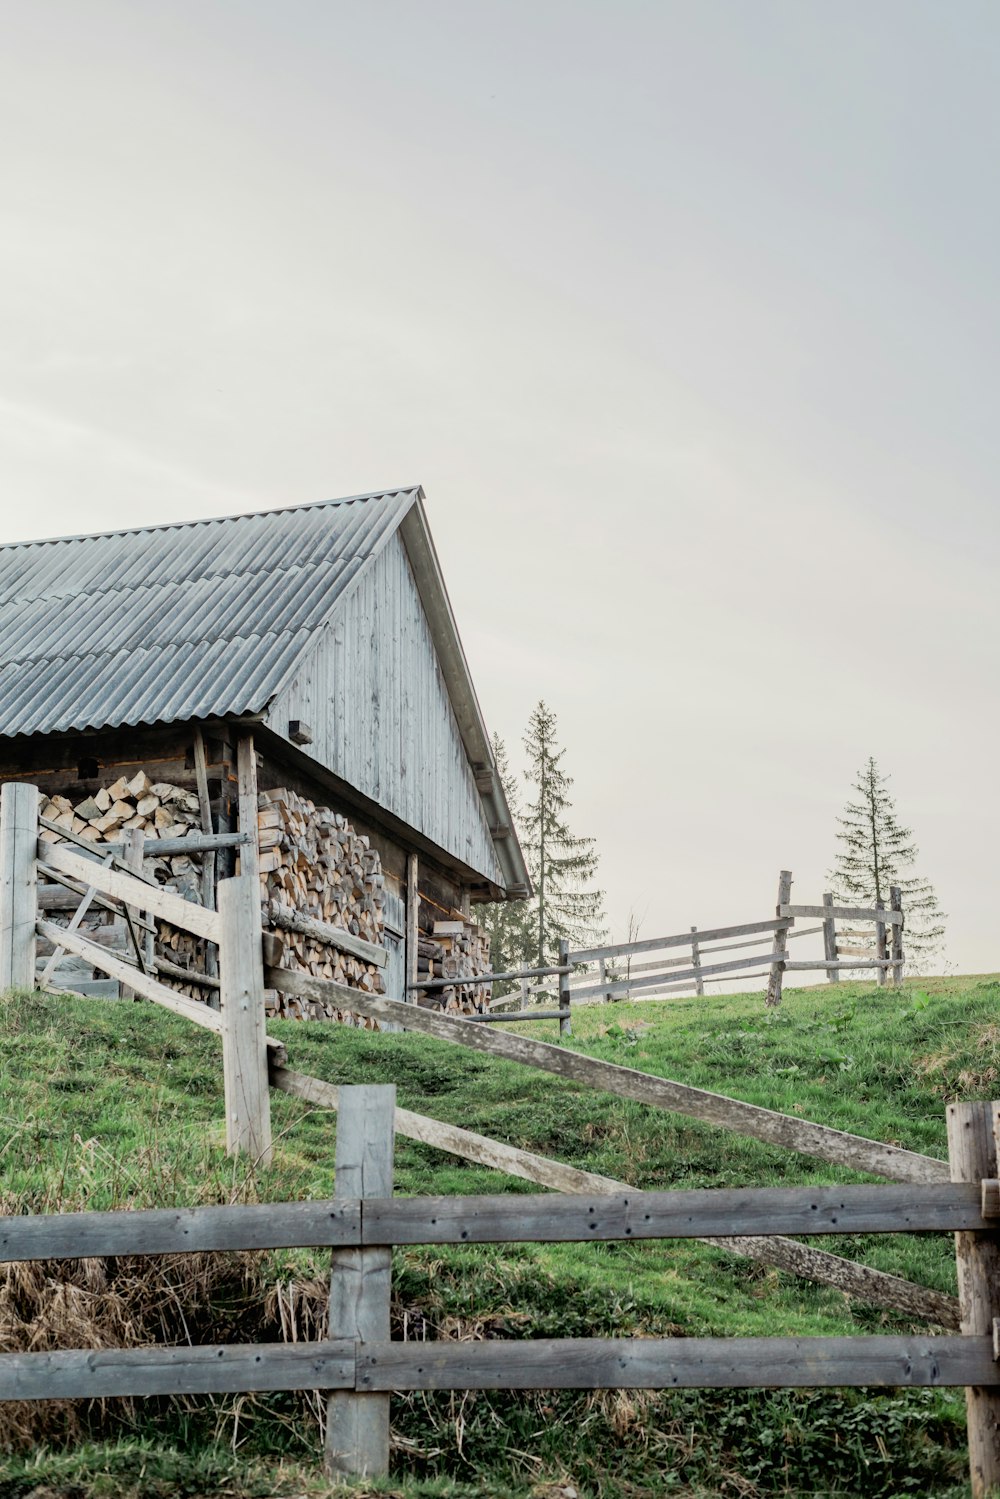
103 1105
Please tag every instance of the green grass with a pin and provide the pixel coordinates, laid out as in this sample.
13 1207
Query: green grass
103 1105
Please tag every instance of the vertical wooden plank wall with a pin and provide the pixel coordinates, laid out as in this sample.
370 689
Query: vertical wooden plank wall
972 1157
244 1033
357 1425
774 981
18 892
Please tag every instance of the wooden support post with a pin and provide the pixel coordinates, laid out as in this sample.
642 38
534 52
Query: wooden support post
244 1035
565 1023
357 1425
972 1157
830 943
18 885
602 968
208 892
412 923
896 904
246 773
134 840
881 950
780 941
699 984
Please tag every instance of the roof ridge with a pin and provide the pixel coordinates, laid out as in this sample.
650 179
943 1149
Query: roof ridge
215 520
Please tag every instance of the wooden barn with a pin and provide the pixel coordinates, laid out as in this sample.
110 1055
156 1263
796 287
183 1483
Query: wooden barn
284 691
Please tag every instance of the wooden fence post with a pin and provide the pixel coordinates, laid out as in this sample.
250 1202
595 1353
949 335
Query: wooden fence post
830 943
972 1157
244 1032
699 983
565 1023
602 969
881 974
412 925
896 904
774 981
357 1425
18 884
134 840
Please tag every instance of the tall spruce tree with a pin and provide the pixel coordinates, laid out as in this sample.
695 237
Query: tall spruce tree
509 922
561 865
876 852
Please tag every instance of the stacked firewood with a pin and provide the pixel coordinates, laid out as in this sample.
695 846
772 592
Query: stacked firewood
455 949
159 809
313 863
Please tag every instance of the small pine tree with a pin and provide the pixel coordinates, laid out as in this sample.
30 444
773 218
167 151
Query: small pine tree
875 853
560 864
508 922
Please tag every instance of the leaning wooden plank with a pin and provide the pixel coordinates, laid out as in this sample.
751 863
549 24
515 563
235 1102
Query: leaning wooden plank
125 887
698 1214
674 1363
100 1373
88 849
682 939
872 1286
78 916
191 1009
325 932
791 1133
628 986
66 895
272 1225
844 913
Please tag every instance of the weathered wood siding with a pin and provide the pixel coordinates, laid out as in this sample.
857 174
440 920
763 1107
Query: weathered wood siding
372 691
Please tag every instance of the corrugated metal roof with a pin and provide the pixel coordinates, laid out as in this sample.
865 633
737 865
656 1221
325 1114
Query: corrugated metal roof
165 623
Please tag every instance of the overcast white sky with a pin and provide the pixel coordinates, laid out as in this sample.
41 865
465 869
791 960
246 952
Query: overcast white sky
684 314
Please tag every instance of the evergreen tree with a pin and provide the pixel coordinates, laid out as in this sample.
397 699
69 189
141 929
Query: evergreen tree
560 864
877 852
509 922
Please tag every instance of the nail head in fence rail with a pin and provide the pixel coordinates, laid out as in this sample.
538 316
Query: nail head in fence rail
680 1098
357 1426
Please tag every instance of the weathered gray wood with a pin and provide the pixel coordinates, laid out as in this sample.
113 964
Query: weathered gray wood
872 1286
830 941
208 860
705 1213
879 963
18 880
673 1363
629 986
188 975
881 951
88 848
67 894
100 1373
134 840
682 939
776 977
166 904
972 1157
74 924
896 904
699 985
332 936
244 1033
357 1426
246 779
839 913
745 1118
500 1019
273 1225
565 1020
126 973
412 919
483 979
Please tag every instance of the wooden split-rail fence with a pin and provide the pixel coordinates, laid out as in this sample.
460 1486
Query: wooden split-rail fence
253 1063
358 1366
